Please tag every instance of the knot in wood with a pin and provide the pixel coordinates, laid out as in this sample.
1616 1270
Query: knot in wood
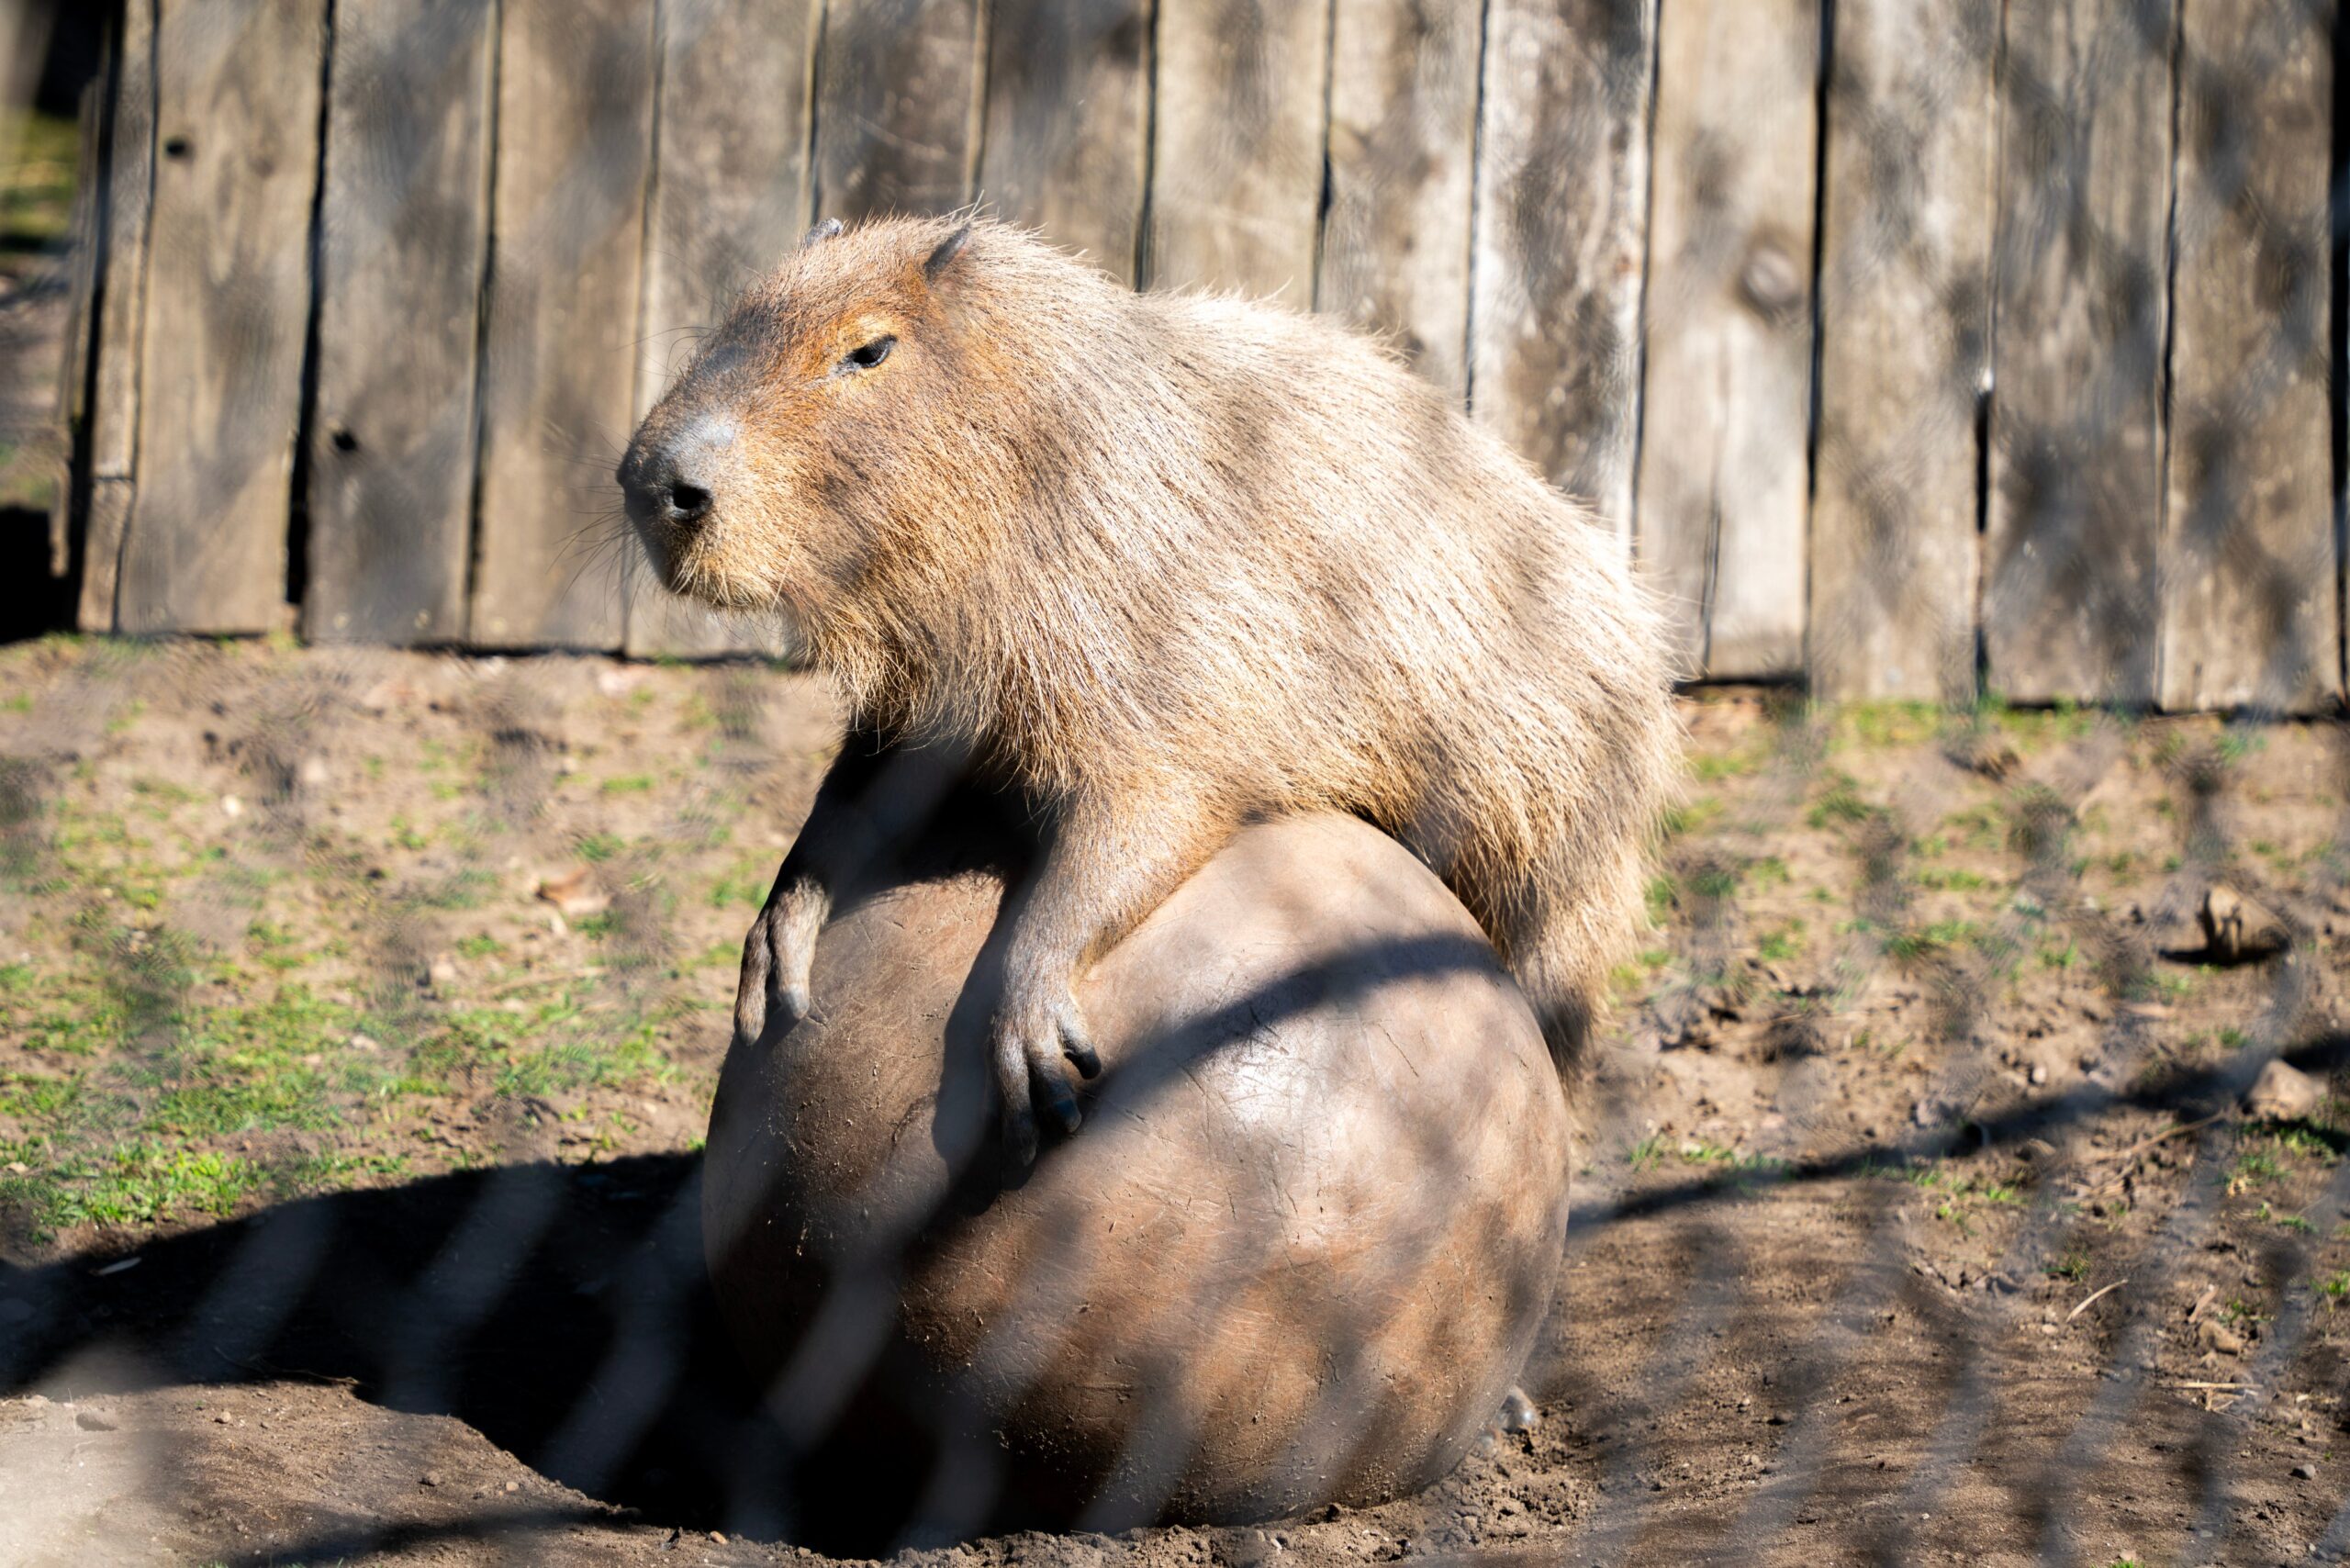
1769 280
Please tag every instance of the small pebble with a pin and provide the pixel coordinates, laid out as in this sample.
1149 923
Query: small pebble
2305 1473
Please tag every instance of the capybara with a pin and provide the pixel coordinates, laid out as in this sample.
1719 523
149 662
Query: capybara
1167 563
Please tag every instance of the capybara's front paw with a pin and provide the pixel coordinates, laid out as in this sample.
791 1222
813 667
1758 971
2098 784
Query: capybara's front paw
1034 1033
777 958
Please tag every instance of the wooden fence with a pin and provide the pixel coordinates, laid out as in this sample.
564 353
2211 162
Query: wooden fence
1921 346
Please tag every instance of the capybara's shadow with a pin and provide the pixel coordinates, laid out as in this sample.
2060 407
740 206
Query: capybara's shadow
564 1311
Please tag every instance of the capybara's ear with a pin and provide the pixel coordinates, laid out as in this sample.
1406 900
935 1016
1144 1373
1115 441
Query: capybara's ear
829 228
944 256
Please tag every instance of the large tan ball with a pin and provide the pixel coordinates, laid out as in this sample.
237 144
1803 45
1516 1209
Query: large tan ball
1298 1253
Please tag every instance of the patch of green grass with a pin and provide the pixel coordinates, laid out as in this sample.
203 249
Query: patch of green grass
481 944
2052 957
747 882
1961 1197
1714 881
1888 723
543 1050
2255 1167
1942 879
1692 815
31 1097
465 890
628 784
597 847
2062 720
2305 1142
1839 804
1703 1152
2335 1288
2073 1266
37 183
273 945
143 1183
1928 941
1973 828
1778 947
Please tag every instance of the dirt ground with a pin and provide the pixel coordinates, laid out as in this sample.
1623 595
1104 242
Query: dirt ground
359 1013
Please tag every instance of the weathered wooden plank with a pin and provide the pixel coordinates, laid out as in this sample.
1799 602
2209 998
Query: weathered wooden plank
1236 156
227 311
1068 122
575 125
405 236
1403 137
1561 228
1905 323
2085 111
1723 476
898 106
103 529
1404 106
113 411
729 198
2249 613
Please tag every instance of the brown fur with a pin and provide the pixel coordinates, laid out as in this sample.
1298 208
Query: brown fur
1172 562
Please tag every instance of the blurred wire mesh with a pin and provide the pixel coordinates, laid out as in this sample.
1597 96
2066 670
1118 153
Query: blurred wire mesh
1944 353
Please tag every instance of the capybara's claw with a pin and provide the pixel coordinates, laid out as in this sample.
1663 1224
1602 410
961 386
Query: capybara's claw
1076 1047
1028 1058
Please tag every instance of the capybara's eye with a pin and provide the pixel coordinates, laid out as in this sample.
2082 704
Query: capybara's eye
869 355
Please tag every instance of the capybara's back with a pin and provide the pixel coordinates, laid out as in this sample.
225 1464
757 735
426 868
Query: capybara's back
1187 559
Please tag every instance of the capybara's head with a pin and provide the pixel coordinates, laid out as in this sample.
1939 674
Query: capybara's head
814 437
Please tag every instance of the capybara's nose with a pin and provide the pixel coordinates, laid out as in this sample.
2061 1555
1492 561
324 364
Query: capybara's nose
658 488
